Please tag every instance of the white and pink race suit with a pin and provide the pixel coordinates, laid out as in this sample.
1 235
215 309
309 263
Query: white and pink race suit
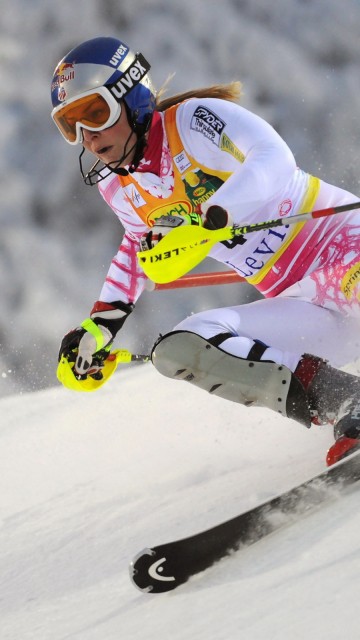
210 151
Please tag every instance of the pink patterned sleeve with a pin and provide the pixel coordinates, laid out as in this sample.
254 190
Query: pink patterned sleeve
125 280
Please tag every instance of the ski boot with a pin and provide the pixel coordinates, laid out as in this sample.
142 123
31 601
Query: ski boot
346 433
333 397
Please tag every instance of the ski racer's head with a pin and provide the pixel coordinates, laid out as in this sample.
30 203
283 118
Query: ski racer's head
101 92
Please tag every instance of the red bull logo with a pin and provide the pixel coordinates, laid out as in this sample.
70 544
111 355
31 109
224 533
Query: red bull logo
63 73
61 69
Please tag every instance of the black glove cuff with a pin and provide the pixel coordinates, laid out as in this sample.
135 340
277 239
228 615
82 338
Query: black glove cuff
123 306
112 316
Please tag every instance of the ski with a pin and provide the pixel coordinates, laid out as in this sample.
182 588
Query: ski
164 567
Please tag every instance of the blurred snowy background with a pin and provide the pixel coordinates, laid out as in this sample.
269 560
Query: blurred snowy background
299 64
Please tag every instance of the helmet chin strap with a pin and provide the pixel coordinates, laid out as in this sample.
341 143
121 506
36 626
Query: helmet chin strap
140 131
97 173
140 146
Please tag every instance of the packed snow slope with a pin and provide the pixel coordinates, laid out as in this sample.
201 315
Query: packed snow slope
88 480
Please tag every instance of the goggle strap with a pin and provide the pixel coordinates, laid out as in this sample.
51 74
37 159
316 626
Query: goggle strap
132 76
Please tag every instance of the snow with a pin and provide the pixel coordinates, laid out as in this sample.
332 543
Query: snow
88 480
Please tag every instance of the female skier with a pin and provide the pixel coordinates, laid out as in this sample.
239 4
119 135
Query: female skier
201 159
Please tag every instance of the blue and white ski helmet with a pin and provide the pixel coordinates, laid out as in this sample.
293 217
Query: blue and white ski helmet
107 62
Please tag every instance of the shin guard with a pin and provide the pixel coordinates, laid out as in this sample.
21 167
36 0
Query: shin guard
183 355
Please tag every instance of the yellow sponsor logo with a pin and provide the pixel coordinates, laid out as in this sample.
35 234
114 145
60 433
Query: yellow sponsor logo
179 208
350 280
227 145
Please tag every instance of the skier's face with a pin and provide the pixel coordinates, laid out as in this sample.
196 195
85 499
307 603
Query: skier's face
109 145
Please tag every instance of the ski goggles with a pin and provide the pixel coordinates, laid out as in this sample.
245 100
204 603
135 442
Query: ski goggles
94 110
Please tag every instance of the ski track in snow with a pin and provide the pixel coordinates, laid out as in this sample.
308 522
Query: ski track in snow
88 480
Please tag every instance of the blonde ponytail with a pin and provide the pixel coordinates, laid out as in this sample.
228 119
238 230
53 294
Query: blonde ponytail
231 92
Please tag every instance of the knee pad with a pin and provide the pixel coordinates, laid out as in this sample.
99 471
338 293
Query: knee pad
186 356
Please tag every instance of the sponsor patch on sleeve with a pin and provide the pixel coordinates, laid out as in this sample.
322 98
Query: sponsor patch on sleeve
208 123
228 146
